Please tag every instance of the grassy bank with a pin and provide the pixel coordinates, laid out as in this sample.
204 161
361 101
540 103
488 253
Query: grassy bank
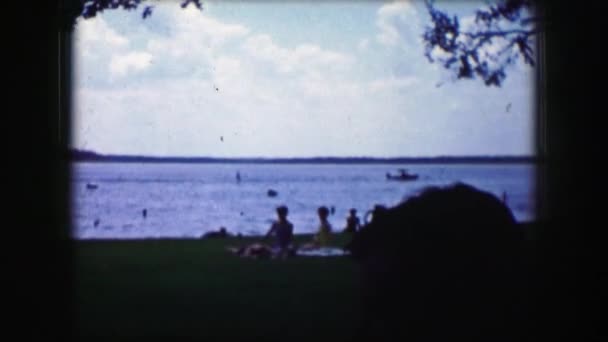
195 289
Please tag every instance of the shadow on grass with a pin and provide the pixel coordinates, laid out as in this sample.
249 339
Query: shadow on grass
195 289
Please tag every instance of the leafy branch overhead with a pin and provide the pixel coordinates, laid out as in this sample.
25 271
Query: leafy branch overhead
484 46
90 8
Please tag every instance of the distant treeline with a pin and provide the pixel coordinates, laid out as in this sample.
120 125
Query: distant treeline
78 155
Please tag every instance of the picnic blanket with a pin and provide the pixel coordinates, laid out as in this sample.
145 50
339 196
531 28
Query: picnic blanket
322 252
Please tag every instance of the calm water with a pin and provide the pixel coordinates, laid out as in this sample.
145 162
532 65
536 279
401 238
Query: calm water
186 200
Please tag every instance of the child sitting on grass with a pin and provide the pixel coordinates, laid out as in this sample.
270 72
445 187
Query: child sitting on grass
283 231
352 222
322 237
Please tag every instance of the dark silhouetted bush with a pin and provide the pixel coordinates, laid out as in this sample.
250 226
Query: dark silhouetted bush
447 263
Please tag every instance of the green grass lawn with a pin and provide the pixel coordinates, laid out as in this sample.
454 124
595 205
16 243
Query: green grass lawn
195 289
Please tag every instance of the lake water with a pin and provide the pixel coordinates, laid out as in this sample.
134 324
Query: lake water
187 200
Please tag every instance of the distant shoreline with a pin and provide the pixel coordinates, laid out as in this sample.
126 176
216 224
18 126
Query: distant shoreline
337 160
85 156
527 226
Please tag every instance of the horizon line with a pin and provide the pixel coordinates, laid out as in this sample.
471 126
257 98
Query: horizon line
92 155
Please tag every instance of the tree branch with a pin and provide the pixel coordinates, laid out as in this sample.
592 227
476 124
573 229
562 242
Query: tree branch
490 34
465 49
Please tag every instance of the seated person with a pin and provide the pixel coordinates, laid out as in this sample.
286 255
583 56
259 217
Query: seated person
322 237
221 233
283 231
352 222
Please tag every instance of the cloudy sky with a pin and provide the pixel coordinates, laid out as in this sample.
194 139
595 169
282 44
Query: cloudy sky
266 79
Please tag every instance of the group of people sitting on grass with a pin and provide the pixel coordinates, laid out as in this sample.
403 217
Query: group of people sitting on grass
282 230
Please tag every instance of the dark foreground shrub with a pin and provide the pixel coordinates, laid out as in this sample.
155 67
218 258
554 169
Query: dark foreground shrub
446 264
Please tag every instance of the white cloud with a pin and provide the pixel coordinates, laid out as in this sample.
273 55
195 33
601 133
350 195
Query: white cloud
97 31
228 68
363 44
120 65
194 35
194 44
262 47
392 83
399 37
188 45
397 21
95 43
304 57
191 22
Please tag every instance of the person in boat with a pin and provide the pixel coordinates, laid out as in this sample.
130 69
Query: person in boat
282 229
323 235
352 222
403 174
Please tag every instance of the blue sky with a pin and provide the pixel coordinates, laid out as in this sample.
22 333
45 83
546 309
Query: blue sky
286 80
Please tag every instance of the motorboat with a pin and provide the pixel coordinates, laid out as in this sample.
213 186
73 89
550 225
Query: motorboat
403 175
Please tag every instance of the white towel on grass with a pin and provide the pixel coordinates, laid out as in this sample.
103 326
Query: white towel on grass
323 252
